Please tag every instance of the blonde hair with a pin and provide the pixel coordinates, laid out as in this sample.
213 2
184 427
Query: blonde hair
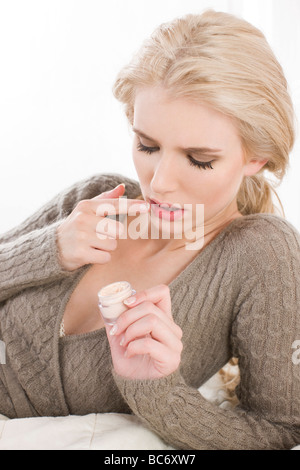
223 61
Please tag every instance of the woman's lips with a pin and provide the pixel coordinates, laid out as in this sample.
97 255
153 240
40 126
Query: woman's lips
165 204
166 211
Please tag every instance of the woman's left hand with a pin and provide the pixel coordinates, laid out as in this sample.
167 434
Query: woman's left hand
145 342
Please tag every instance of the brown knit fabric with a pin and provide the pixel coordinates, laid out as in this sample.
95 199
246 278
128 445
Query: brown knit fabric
239 297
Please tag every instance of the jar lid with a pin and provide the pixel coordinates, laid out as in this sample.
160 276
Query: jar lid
115 292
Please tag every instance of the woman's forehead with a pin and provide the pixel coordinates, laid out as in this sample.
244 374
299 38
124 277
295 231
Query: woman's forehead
157 114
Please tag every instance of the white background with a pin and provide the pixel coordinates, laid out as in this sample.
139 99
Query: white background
59 122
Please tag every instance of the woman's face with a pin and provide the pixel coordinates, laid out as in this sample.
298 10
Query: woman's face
187 153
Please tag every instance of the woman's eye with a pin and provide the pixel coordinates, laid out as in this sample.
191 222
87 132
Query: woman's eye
195 163
144 148
201 165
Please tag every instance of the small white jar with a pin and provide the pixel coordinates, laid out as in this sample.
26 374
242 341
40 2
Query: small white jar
111 299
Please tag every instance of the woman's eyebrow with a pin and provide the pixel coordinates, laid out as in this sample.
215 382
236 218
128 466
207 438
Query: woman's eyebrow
141 134
202 150
194 150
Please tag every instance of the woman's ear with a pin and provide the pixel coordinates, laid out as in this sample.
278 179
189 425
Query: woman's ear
253 167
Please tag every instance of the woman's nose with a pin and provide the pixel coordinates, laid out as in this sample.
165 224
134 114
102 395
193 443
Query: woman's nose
165 177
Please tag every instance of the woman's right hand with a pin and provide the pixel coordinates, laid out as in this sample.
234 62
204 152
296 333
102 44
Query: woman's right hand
86 236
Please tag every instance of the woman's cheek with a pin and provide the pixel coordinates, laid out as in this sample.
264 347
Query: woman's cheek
219 191
141 165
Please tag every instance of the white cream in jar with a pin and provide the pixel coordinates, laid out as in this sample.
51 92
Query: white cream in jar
111 299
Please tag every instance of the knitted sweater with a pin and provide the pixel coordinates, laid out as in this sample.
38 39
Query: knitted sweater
239 297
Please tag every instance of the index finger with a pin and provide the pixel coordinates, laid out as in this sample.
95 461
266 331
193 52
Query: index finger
120 206
159 295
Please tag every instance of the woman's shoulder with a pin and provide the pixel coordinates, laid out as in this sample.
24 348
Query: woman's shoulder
264 227
264 237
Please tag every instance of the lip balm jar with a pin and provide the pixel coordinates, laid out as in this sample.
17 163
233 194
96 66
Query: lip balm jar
111 299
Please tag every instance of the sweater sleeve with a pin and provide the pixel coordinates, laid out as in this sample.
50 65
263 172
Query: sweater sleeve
264 329
30 260
28 253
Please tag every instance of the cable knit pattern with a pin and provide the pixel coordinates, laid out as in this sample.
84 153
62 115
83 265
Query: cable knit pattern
264 322
239 297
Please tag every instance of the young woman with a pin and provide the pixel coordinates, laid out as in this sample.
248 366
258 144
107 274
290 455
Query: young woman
210 112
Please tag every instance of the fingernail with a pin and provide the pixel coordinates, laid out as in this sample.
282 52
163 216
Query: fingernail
130 300
122 341
113 330
116 187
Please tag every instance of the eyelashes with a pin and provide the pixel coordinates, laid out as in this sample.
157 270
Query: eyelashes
148 150
198 164
192 161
